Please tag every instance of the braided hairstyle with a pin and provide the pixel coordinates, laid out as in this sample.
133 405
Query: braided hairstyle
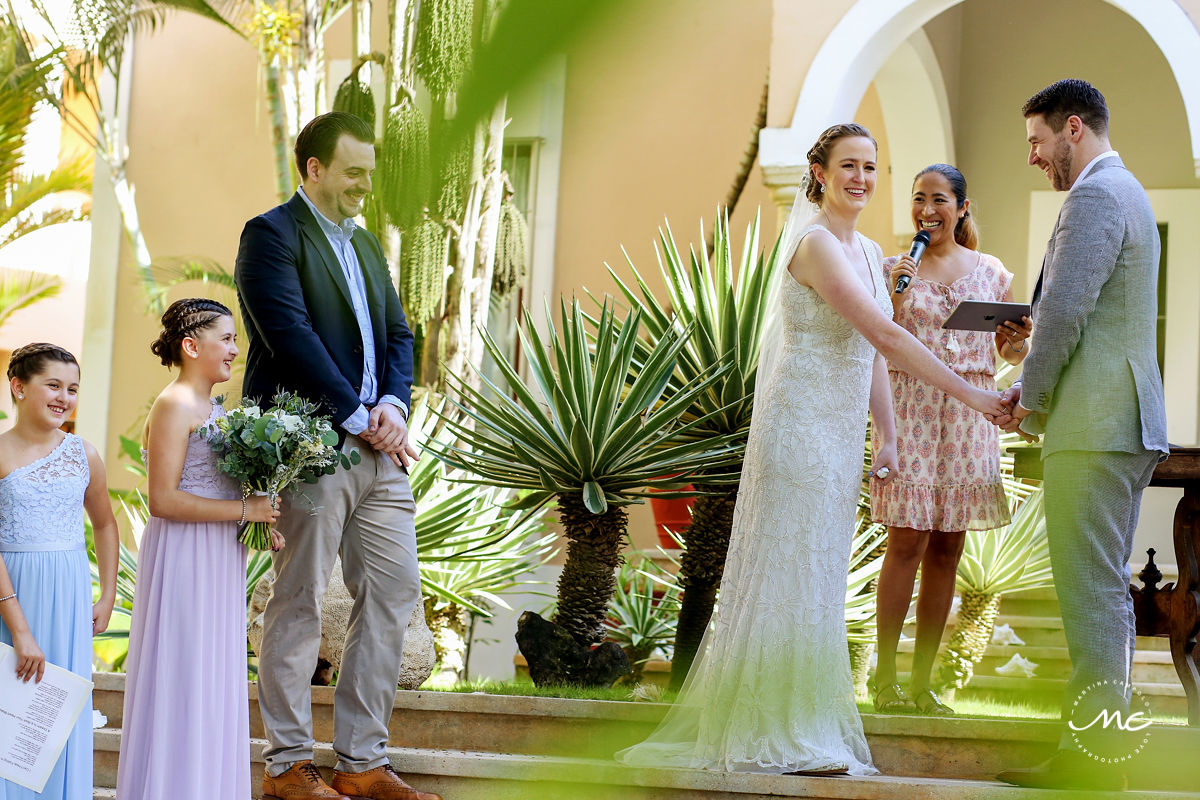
819 154
31 359
182 319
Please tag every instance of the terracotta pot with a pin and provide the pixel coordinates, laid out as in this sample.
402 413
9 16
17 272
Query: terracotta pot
674 515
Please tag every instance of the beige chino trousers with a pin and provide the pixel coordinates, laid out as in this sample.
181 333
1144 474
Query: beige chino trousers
367 514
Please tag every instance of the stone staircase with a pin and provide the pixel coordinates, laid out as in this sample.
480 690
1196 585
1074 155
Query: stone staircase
488 747
1034 617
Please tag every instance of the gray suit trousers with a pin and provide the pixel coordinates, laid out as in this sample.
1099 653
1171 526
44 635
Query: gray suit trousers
367 513
1092 503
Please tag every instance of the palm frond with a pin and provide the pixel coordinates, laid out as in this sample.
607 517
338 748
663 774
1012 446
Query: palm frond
20 289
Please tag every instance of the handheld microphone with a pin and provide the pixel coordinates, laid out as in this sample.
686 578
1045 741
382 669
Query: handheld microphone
920 242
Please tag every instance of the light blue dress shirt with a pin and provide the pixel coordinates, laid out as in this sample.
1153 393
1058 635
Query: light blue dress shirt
339 237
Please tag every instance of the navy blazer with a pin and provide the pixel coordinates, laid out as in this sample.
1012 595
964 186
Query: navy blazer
299 321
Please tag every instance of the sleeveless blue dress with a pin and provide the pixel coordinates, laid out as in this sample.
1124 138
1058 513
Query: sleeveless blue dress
43 547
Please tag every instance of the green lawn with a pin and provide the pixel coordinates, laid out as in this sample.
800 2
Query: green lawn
986 708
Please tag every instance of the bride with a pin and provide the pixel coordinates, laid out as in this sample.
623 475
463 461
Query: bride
770 690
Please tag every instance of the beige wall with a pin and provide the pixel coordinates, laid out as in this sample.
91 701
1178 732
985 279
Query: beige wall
658 113
201 166
1003 60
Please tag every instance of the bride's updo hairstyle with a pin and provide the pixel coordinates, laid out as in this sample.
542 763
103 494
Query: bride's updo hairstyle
819 154
182 319
31 359
965 232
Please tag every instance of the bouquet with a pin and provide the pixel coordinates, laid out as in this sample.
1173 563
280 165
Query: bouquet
269 451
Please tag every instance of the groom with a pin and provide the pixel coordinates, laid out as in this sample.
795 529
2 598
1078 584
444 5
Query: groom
324 321
1091 384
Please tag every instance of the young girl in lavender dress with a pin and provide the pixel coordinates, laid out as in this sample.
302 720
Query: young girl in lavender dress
47 479
186 729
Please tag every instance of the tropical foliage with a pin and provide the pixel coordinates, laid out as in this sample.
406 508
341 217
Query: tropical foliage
727 316
994 563
20 289
472 547
585 439
643 613
23 85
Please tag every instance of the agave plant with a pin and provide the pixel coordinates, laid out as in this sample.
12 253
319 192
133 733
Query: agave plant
727 317
593 444
994 563
863 575
643 613
472 548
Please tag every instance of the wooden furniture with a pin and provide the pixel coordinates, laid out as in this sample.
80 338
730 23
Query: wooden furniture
1172 610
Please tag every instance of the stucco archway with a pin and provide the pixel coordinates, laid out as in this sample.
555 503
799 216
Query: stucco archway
872 30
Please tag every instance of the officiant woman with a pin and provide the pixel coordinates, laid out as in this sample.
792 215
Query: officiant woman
948 454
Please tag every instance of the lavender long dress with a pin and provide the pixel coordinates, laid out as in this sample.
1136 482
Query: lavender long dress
186 728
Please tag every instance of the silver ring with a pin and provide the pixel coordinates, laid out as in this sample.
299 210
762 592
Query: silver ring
882 473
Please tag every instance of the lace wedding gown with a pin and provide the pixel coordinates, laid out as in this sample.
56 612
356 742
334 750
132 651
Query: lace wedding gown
770 690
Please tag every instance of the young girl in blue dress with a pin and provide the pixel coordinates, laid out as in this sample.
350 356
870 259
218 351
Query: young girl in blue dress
48 478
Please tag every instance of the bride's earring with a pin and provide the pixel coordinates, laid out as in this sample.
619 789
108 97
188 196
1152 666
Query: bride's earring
20 397
822 189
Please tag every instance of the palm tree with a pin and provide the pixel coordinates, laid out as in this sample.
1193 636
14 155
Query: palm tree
727 318
22 87
472 548
20 289
593 444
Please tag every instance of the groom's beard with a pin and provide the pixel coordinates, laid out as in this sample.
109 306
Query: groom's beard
1060 168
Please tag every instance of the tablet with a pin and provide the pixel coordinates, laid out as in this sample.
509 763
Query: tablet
984 315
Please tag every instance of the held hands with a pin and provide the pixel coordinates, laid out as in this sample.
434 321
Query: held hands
31 661
990 404
387 432
1010 420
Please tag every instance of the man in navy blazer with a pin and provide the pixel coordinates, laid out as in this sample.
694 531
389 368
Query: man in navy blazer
323 320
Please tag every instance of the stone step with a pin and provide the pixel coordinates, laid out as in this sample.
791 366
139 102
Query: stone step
1042 631
960 748
469 775
1035 603
1166 699
1149 666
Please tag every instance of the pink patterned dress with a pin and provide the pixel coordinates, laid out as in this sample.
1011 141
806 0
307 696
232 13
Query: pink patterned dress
948 454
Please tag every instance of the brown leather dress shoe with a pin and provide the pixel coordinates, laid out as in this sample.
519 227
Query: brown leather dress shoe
302 781
381 783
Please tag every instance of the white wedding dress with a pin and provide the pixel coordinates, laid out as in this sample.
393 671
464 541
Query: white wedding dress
770 690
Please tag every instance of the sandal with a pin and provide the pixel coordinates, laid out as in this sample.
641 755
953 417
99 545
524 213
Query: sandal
891 699
928 705
832 768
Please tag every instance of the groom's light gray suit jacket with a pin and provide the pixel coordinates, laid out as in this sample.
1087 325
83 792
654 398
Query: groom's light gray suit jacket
1092 375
